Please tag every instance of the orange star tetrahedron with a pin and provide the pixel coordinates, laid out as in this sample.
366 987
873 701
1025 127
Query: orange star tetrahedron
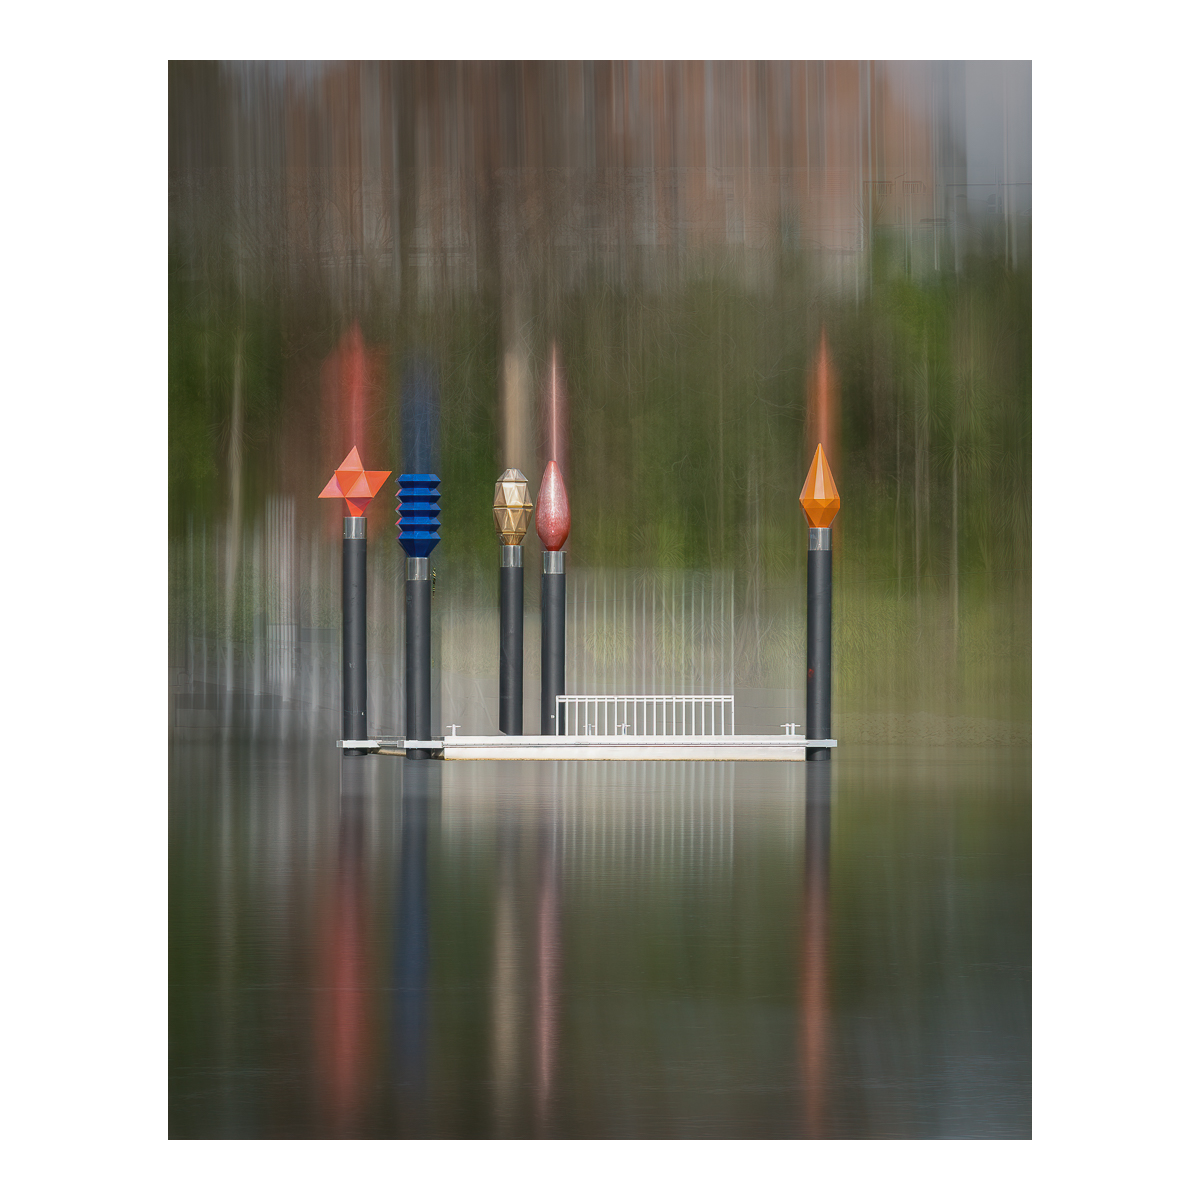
819 497
354 485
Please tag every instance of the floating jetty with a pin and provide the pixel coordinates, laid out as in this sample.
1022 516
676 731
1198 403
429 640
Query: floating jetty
672 728
733 748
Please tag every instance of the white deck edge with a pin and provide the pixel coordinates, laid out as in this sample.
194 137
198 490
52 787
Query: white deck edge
734 748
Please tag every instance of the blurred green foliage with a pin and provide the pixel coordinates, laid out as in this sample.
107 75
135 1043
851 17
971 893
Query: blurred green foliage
689 442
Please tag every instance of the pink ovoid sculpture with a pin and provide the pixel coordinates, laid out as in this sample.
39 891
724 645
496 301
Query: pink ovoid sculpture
553 519
553 514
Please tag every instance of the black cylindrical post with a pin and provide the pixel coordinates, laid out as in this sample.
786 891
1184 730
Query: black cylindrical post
511 510
820 630
554 638
354 632
512 638
416 655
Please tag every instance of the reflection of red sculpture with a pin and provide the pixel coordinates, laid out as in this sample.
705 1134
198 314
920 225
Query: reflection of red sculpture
351 379
814 994
344 1041
549 967
553 515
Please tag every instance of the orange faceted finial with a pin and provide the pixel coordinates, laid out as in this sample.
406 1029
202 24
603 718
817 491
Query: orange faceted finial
819 497
354 485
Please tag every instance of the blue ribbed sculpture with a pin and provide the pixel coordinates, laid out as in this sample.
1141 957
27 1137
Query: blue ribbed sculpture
420 514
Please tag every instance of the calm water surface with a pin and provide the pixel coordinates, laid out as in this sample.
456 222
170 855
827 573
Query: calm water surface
378 948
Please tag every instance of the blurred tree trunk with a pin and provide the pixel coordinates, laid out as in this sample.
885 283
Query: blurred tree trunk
954 538
234 540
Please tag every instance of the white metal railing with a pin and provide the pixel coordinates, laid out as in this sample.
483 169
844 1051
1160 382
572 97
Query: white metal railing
645 716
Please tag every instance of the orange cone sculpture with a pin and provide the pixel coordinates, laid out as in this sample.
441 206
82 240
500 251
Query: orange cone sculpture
819 497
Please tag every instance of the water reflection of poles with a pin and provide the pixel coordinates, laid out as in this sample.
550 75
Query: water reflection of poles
506 982
343 1035
814 977
511 509
553 525
549 962
421 784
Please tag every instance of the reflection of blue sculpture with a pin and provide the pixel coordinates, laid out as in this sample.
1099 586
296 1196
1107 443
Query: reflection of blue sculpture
411 965
420 436
420 418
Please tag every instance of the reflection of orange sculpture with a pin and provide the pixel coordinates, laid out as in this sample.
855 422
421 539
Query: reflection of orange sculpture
814 995
824 402
819 497
354 485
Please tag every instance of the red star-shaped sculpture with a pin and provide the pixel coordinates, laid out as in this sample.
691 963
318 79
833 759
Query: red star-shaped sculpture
354 485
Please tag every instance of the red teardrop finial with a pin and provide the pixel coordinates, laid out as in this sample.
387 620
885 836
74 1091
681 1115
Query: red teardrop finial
552 516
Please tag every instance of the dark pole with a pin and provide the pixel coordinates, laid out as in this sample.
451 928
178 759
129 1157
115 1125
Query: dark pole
511 510
355 485
820 630
820 500
420 525
420 521
354 632
554 635
512 638
416 655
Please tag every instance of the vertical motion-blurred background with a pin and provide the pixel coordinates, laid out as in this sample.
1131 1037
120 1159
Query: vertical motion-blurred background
696 270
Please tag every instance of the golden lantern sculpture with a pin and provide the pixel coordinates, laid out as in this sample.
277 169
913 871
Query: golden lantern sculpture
512 507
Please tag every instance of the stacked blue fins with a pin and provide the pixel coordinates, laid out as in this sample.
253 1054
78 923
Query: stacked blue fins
420 514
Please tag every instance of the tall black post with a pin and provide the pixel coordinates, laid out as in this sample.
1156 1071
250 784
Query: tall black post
554 638
354 632
416 655
420 524
512 638
820 630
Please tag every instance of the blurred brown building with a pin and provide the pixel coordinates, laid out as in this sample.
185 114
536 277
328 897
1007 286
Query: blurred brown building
375 179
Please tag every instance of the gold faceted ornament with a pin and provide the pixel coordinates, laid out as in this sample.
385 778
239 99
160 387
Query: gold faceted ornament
512 507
